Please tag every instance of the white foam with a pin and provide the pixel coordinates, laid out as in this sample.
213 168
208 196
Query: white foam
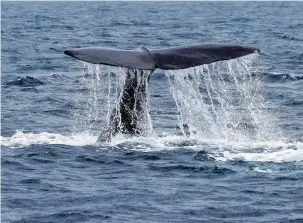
257 169
285 155
220 149
21 139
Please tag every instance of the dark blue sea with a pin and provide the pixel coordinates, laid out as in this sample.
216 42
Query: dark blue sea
242 162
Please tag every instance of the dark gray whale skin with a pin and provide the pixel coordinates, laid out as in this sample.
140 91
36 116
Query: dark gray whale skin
125 117
129 112
166 59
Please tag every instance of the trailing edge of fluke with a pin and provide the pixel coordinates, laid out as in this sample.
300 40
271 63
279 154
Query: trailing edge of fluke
167 59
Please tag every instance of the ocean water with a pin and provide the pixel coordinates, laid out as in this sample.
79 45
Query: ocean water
240 160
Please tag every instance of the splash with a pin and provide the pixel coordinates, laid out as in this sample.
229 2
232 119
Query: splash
223 100
219 150
22 139
105 102
96 98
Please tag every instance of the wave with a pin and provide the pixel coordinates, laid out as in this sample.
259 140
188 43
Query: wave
287 37
206 149
274 76
27 81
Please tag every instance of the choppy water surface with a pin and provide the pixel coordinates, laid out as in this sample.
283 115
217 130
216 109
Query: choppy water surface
227 144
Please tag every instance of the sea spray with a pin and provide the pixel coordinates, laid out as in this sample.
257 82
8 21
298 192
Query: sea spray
223 100
99 95
104 87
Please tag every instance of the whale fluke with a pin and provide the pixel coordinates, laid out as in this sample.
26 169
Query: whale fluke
166 59
195 55
134 59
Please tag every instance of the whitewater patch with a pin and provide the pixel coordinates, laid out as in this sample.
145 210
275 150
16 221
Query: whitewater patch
219 149
21 139
259 170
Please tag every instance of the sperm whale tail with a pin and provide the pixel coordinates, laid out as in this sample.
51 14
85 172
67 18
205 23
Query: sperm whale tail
132 108
166 59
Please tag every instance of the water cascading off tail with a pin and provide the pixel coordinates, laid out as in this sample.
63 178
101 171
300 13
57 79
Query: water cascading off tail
222 100
103 89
